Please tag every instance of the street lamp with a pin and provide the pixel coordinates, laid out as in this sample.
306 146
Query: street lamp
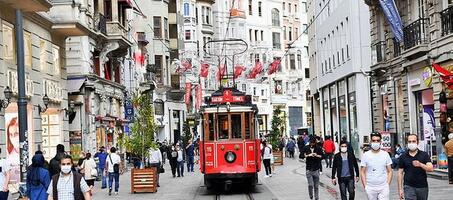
46 101
5 102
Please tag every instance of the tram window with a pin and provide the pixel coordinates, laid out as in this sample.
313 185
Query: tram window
247 126
211 127
236 126
223 126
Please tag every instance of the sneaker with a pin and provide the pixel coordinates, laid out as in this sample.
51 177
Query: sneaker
110 192
270 175
116 193
320 173
266 176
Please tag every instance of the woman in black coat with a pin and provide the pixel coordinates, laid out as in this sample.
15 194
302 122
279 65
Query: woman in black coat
173 156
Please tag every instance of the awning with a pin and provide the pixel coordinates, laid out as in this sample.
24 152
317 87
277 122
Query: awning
74 85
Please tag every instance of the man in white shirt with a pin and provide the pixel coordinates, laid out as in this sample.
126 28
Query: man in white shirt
4 178
155 160
113 164
376 171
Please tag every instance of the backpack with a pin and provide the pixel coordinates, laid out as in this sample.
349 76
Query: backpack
78 194
116 166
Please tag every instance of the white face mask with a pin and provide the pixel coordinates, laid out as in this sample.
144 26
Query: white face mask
343 149
66 169
412 146
375 146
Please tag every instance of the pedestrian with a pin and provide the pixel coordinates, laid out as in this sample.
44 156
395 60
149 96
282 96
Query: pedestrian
320 144
376 171
180 161
266 153
347 171
291 147
163 151
89 167
329 149
101 155
80 162
155 160
449 152
190 153
38 179
5 176
313 154
300 146
350 149
398 152
54 164
68 185
173 160
112 168
413 165
46 163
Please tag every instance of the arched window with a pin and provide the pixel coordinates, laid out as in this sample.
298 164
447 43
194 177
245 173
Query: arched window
275 17
186 9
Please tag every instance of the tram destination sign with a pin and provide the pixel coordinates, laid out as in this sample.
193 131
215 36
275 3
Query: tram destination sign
228 97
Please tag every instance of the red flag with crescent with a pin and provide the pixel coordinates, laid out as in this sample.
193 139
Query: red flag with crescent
221 72
188 93
445 75
273 67
204 70
238 69
257 69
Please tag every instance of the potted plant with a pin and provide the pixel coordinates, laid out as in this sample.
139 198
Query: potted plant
274 137
140 141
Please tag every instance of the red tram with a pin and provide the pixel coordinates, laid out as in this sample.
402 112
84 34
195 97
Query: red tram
230 147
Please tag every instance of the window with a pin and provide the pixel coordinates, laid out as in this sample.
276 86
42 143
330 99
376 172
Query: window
284 32
250 7
275 17
296 32
262 92
295 8
338 57
304 27
257 57
284 6
186 9
196 15
306 50
223 126
247 126
236 123
9 52
166 28
158 68
27 49
289 7
244 87
256 35
187 34
292 61
254 91
250 34
307 72
342 54
278 87
56 59
276 40
210 134
299 60
208 15
203 14
42 55
262 35
259 9
347 51
157 27
290 33
304 6
264 58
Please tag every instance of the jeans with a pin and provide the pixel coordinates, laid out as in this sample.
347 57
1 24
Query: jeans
267 166
180 168
4 195
157 166
116 176
412 193
190 163
377 192
313 183
103 178
347 186
329 159
450 169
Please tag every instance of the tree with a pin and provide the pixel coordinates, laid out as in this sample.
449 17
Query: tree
143 127
277 128
187 134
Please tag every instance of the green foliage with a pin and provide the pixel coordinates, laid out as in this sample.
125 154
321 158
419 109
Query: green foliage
278 123
143 127
187 135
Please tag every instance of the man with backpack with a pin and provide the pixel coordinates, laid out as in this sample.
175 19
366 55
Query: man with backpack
68 184
113 169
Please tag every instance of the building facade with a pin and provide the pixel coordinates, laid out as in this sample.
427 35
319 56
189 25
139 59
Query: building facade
408 96
339 62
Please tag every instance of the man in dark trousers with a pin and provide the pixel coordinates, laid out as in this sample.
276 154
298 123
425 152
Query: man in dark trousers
313 154
346 170
54 164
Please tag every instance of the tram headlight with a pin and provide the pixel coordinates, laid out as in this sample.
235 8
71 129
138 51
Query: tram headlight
230 157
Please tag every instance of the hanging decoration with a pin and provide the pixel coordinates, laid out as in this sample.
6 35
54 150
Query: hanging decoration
238 69
445 75
204 70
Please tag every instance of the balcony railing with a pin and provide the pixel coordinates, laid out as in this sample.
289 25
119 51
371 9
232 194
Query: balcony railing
101 23
446 17
415 33
396 48
379 47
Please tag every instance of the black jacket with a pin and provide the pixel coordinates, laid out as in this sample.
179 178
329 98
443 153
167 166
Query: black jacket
338 164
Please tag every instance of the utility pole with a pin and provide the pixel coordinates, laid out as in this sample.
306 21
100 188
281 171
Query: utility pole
22 100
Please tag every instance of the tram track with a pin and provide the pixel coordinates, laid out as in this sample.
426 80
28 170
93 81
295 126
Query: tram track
246 196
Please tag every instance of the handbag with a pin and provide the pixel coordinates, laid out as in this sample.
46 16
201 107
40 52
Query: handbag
161 170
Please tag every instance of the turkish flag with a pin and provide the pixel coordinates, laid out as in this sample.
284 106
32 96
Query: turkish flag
139 58
257 69
221 72
445 75
274 66
238 69
188 93
204 70
198 96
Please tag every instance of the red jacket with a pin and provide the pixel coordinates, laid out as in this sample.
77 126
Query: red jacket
329 146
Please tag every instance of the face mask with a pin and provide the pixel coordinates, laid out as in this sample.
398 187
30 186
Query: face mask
66 169
412 146
343 149
375 146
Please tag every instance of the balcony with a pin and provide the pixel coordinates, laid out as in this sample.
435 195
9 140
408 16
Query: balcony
29 5
396 48
141 38
416 38
101 23
116 31
378 52
207 28
446 17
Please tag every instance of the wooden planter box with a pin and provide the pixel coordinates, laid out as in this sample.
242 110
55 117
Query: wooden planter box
144 180
278 157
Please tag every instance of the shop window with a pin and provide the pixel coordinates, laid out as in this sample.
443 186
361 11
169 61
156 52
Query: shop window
223 126
236 123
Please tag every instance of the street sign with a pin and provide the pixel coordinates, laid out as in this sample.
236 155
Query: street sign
386 141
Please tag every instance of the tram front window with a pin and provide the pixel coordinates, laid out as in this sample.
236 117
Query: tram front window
236 126
223 126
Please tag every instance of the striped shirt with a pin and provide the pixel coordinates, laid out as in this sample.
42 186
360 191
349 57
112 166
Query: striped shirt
65 187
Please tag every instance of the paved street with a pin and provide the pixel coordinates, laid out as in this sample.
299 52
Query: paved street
288 183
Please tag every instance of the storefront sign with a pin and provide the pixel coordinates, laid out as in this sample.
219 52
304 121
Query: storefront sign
386 141
427 76
414 82
12 83
75 142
